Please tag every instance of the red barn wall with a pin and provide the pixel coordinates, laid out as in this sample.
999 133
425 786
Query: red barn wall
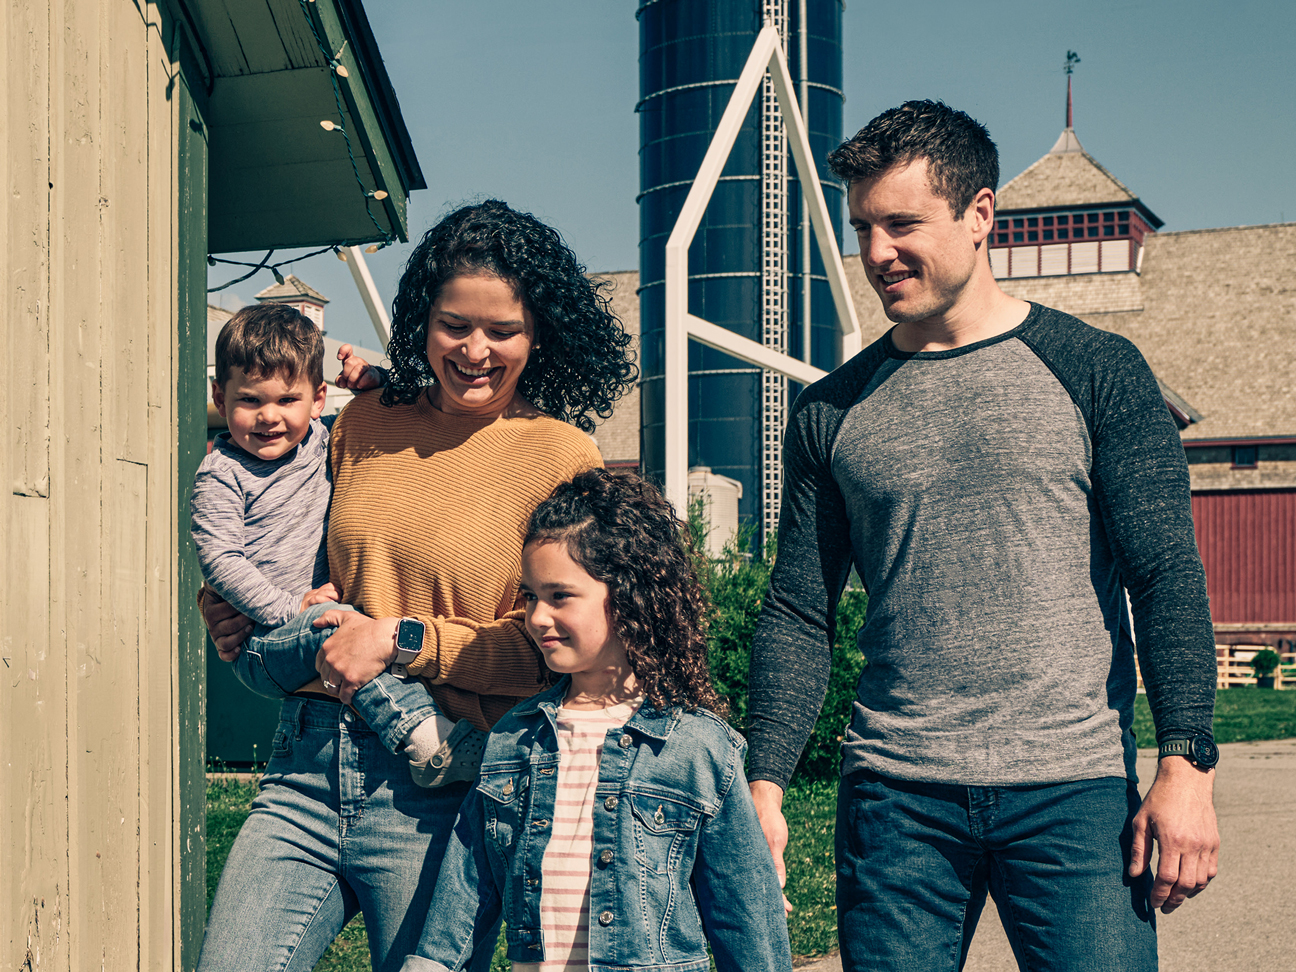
1247 540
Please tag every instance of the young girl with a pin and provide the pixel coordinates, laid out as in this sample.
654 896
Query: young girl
611 826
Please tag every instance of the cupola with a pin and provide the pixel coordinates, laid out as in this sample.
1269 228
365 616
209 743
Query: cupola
308 301
1066 214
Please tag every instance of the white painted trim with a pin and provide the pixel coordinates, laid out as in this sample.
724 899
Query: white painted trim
753 352
766 54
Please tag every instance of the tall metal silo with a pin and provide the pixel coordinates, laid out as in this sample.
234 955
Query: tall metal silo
746 267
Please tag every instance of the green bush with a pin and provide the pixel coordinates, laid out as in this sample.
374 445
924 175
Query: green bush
736 584
1265 661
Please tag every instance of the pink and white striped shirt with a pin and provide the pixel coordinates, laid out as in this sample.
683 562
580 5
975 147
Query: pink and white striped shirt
568 858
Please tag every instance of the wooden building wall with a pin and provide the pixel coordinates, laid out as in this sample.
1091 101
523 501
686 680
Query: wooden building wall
99 832
1247 540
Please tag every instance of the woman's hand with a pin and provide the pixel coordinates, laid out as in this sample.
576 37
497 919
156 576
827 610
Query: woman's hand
357 373
227 627
356 653
322 595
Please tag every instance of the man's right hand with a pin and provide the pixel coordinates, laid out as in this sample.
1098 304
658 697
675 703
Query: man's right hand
228 628
768 798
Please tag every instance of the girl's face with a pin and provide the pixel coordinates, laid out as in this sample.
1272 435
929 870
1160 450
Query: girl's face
567 615
479 337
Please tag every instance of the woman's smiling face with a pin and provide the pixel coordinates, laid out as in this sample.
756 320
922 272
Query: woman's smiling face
478 340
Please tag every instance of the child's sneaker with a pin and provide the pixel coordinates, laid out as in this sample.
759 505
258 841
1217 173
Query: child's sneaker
459 758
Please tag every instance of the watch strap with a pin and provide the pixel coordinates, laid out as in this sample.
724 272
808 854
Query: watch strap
1201 750
1174 747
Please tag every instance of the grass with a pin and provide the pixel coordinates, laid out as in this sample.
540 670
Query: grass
1241 715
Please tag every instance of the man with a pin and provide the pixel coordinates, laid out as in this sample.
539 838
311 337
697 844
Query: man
1000 474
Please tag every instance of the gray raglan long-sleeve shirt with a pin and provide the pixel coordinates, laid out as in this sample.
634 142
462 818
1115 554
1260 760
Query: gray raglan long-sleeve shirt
259 526
996 499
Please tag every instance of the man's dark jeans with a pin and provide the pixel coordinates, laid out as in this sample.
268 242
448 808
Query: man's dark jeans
914 862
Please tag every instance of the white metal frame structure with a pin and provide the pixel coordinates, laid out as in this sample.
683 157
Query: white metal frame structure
767 55
364 282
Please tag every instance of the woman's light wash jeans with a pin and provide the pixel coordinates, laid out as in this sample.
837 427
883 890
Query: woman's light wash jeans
338 827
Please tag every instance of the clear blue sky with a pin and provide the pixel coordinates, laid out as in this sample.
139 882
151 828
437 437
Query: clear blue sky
533 102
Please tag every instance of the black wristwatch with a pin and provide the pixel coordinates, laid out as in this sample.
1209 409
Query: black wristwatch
1200 749
409 642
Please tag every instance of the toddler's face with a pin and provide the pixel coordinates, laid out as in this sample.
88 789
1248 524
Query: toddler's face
268 416
566 613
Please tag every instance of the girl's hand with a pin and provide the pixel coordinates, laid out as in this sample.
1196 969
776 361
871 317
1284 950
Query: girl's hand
357 374
227 627
322 595
357 652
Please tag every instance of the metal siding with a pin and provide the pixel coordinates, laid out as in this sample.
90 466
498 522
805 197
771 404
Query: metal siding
1248 546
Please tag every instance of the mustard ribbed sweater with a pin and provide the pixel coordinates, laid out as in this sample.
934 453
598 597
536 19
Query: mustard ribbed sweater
427 520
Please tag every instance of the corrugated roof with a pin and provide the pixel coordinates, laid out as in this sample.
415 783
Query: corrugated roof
291 288
1219 326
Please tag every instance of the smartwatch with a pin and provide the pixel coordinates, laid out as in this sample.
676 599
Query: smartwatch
409 642
1200 749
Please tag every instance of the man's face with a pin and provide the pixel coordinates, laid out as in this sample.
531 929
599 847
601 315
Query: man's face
918 257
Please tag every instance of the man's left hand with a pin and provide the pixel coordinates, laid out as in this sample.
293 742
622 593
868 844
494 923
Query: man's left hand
1179 814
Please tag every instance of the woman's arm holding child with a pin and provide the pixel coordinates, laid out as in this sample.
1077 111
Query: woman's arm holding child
486 658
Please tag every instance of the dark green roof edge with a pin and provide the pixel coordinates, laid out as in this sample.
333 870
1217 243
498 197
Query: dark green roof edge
1152 218
386 106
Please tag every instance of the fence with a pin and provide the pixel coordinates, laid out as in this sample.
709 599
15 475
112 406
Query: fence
1233 667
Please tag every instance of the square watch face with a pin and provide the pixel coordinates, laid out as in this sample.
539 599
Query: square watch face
409 636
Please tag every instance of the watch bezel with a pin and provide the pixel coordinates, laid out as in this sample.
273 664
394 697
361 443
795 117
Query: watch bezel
1203 751
404 653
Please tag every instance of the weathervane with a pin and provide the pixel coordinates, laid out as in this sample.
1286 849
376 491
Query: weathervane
1072 59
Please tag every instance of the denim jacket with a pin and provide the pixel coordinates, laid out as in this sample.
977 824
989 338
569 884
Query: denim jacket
679 857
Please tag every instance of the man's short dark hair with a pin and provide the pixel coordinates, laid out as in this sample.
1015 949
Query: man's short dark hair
961 158
270 339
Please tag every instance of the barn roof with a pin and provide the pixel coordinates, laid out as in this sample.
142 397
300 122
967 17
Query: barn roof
1067 176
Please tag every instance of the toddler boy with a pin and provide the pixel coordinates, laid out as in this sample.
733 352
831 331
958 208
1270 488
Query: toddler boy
259 517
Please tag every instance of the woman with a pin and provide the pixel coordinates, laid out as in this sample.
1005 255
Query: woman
498 340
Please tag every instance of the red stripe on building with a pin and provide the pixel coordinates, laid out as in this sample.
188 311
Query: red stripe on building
1247 540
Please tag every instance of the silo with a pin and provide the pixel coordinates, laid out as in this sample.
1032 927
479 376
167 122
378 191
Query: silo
746 271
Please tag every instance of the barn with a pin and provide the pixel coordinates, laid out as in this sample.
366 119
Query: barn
141 138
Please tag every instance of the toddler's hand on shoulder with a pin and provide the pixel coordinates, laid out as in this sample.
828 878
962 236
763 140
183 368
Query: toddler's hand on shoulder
357 374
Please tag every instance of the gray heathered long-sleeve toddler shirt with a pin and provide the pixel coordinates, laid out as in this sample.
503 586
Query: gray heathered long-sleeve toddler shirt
997 500
259 525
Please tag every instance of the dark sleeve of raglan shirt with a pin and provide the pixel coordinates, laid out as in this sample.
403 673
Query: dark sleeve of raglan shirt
792 644
1140 477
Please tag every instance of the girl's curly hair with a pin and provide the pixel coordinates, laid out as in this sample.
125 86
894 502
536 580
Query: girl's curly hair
622 532
580 361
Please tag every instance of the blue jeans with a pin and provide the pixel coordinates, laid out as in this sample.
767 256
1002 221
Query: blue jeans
915 860
275 662
338 827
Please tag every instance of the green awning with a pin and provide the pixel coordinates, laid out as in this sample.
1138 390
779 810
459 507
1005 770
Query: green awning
278 178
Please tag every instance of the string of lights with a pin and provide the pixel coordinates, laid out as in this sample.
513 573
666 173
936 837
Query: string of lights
336 69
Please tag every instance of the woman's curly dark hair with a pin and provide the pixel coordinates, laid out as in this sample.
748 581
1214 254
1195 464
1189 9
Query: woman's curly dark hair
622 532
580 361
